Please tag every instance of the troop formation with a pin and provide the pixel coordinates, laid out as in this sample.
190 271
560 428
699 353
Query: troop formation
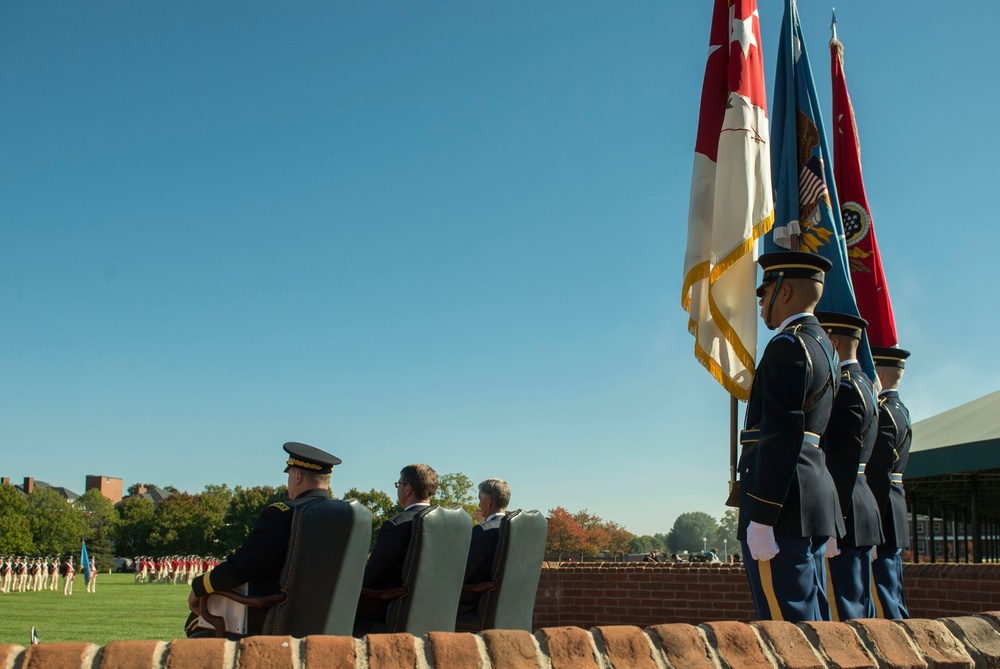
259 561
822 508
172 569
37 574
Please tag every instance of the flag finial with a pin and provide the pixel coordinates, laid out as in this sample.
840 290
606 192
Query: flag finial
833 24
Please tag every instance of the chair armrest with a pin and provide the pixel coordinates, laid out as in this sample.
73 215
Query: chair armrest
386 595
485 586
255 601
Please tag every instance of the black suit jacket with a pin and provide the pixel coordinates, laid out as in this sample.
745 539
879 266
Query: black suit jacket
385 564
888 461
784 481
847 444
479 566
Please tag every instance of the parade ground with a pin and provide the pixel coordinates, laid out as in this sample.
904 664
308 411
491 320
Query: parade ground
118 610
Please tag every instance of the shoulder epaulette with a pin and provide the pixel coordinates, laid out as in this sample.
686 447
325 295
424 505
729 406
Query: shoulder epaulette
281 506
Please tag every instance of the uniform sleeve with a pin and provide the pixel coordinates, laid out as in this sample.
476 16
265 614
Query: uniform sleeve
842 443
883 456
782 427
267 543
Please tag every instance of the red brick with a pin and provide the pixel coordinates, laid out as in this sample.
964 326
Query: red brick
737 645
391 651
568 647
683 646
59 655
9 654
511 649
453 650
329 652
200 654
979 637
889 642
128 654
939 646
789 643
627 647
839 644
273 652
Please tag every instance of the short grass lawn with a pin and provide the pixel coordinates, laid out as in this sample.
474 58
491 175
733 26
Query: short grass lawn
119 609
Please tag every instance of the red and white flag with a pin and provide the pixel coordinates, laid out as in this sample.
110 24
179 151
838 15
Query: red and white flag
731 199
870 290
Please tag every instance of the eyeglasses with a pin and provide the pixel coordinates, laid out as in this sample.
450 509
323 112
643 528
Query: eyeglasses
399 483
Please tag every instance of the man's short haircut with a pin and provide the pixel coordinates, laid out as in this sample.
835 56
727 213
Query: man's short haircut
423 479
497 490
316 479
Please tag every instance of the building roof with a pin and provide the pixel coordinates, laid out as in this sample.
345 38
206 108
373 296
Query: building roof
63 492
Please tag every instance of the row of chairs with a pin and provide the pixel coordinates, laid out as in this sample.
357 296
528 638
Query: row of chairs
321 581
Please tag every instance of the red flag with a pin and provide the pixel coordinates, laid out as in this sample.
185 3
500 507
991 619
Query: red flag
870 289
731 199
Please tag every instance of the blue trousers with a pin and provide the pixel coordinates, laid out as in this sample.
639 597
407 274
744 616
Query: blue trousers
887 573
792 585
848 586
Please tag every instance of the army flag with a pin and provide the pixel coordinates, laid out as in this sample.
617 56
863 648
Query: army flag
731 202
863 256
85 562
807 216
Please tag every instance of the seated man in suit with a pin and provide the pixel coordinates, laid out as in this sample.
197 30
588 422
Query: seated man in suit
494 496
260 559
414 489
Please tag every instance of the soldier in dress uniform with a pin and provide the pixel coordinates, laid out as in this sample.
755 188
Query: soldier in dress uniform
885 477
788 501
261 557
847 444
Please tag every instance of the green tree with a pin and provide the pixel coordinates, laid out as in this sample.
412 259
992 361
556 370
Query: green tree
457 490
725 538
564 534
376 501
245 506
135 524
660 542
691 531
15 527
187 524
100 519
56 526
641 544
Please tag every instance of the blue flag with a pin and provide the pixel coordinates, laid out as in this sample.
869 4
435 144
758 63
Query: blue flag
85 562
807 212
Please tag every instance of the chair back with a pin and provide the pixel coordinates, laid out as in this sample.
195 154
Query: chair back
323 570
517 566
433 572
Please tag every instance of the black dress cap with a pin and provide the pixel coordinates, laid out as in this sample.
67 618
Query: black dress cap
889 356
841 324
792 265
309 458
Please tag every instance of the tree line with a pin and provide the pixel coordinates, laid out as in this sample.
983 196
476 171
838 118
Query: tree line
216 521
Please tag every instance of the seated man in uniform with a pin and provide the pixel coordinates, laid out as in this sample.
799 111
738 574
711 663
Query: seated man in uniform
414 489
494 496
261 557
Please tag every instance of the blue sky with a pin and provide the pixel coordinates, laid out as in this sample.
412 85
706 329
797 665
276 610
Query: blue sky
442 232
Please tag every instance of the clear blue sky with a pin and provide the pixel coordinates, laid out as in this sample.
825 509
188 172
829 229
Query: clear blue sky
442 232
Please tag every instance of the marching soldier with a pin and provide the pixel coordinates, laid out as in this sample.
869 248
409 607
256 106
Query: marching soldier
847 444
788 501
888 462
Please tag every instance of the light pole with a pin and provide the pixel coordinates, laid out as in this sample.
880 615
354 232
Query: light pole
704 545
725 550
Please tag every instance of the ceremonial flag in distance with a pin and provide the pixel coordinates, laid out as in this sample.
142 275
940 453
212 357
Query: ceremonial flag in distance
731 200
85 562
863 256
807 216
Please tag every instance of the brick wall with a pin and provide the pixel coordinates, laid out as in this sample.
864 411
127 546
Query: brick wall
643 594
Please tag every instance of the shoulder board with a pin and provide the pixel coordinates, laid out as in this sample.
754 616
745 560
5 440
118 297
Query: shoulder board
281 506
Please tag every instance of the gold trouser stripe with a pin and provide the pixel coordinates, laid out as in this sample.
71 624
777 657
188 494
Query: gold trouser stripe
767 585
831 593
879 612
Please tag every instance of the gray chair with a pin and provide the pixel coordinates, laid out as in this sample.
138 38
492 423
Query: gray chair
508 598
432 574
324 568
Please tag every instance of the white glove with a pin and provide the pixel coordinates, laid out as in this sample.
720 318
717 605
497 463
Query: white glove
831 549
760 541
874 553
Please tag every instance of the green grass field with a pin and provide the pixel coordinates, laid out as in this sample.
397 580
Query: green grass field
119 609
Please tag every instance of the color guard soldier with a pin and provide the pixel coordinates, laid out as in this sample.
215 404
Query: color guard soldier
788 501
847 444
885 477
260 559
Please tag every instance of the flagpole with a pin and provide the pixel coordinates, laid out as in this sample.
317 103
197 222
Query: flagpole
732 443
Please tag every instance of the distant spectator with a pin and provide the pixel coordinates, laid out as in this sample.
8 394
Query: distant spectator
712 555
651 556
